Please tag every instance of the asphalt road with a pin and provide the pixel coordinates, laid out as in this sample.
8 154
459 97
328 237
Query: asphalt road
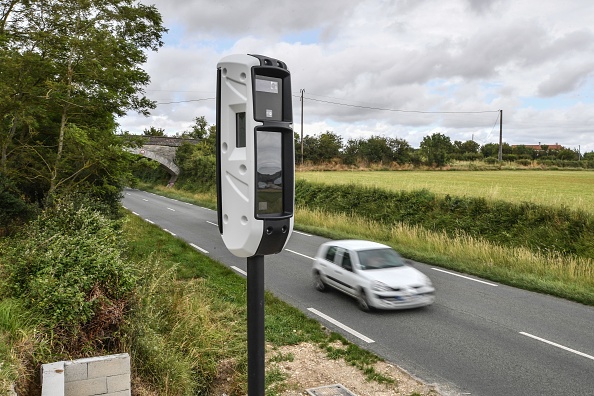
479 338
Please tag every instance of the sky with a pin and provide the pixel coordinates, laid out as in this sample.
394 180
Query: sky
402 69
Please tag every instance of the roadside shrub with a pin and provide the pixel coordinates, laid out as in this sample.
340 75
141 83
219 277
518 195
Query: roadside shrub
198 173
66 268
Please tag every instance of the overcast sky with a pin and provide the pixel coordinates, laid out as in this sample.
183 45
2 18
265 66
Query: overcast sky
400 68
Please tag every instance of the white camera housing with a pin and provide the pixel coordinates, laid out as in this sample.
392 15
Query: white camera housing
255 154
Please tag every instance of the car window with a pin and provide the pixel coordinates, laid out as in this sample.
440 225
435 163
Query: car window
331 253
379 258
347 264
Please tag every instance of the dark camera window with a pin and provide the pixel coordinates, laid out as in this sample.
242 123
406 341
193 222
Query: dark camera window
269 173
240 129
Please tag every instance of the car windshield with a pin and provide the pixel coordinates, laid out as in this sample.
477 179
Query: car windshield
379 258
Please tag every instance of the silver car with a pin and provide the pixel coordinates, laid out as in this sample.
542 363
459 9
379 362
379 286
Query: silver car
373 273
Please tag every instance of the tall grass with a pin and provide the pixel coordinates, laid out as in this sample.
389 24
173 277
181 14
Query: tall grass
565 276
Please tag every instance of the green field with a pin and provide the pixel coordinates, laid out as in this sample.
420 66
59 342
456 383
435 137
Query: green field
574 189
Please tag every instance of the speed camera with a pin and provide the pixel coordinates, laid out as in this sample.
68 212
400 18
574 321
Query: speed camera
255 154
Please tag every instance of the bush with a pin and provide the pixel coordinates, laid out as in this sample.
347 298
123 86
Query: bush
198 173
67 269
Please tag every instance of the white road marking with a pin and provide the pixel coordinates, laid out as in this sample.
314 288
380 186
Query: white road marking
165 229
301 233
145 200
242 272
341 325
147 220
558 345
134 213
173 210
299 254
199 248
465 277
214 224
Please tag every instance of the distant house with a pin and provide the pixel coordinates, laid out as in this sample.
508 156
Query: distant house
538 147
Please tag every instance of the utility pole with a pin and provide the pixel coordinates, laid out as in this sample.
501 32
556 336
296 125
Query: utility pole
302 91
500 156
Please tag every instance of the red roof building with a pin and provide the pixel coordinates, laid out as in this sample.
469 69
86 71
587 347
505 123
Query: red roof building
538 146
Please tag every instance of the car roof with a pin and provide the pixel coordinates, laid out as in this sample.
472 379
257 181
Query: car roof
356 244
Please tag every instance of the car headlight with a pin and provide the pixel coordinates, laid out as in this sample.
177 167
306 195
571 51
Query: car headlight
380 286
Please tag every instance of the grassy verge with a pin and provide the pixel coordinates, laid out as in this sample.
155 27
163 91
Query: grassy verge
190 322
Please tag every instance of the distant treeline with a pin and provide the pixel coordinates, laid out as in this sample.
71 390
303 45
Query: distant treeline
435 150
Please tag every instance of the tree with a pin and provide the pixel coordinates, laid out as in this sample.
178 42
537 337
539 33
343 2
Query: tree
522 151
401 150
329 146
492 149
199 130
568 155
75 66
436 149
152 131
469 147
376 149
350 153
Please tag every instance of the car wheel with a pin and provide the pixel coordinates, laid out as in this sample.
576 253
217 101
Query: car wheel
363 301
319 283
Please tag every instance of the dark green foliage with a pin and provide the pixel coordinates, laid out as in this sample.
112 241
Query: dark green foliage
13 209
69 68
198 173
556 163
536 227
148 171
436 149
66 268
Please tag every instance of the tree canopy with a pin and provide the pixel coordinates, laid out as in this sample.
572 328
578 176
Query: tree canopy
68 68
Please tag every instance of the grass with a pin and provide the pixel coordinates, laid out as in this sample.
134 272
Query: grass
192 317
573 189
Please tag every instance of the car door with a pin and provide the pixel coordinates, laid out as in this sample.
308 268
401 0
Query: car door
346 277
328 266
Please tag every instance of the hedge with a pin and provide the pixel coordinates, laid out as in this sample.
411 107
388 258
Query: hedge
513 224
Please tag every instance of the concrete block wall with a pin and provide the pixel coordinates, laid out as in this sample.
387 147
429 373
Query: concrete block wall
103 375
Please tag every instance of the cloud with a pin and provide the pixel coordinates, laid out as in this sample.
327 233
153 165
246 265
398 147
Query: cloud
375 57
566 78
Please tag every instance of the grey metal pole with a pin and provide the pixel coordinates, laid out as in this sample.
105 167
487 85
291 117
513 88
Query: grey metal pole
500 156
255 325
302 91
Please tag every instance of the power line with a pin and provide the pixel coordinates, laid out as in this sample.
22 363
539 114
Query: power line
400 110
186 101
